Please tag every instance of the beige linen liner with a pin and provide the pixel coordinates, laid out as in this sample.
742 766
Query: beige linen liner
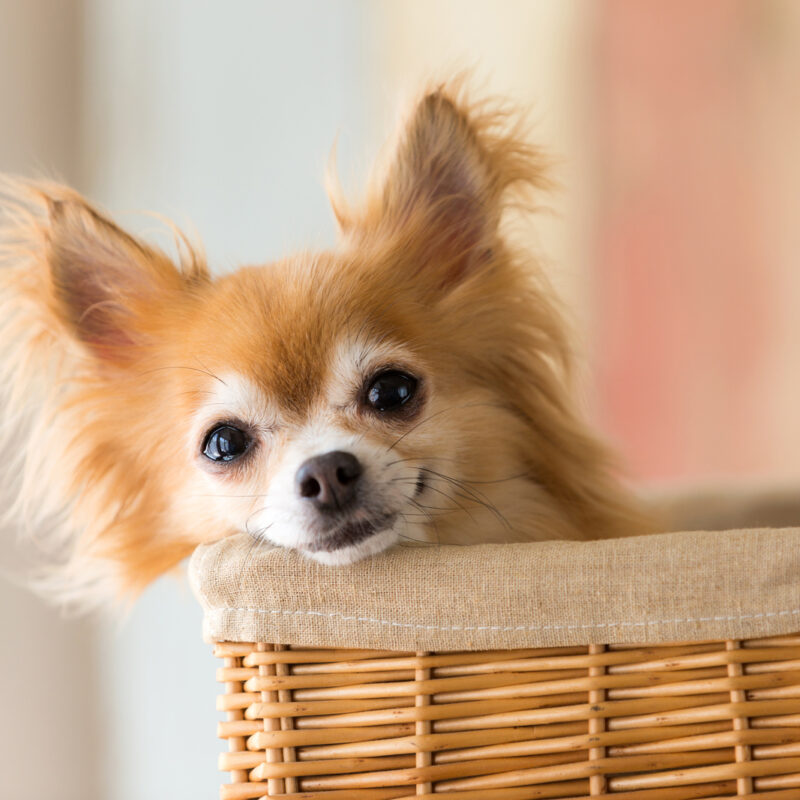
650 589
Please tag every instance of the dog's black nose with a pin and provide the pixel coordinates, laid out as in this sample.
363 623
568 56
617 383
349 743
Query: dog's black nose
329 481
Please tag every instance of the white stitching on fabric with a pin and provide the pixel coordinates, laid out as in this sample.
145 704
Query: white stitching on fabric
344 618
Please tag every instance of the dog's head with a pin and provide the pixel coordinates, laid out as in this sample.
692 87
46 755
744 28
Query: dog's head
409 384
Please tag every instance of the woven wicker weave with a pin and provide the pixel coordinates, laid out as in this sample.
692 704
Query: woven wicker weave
672 722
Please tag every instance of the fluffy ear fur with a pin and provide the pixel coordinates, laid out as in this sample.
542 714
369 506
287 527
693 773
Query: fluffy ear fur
79 299
443 173
451 173
101 278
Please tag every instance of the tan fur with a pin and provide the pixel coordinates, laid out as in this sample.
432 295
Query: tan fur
109 349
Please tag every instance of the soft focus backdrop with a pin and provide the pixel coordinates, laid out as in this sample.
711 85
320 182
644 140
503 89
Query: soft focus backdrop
673 241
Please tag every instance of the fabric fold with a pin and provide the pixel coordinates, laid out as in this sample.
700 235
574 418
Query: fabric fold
650 589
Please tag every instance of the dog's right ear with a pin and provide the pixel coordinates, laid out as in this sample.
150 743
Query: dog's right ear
99 281
103 279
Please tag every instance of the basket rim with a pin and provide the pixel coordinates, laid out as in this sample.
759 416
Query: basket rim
684 586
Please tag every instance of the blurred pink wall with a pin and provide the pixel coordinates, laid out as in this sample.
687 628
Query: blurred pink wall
696 338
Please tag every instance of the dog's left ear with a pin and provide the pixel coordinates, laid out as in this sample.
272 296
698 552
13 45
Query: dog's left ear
443 193
441 187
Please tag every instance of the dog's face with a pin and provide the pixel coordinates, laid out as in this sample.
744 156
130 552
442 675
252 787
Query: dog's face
332 408
314 440
409 384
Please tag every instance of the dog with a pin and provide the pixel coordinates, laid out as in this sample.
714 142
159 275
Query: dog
413 384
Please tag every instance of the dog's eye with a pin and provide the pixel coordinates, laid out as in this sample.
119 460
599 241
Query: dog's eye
225 443
389 390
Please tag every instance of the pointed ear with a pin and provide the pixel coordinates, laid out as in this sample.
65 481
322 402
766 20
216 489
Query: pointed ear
104 281
447 183
440 184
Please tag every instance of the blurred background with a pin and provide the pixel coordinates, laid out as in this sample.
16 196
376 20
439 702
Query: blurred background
674 241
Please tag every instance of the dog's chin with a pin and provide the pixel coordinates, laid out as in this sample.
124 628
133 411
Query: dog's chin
349 553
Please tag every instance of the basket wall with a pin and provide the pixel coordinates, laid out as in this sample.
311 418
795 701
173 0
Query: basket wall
669 722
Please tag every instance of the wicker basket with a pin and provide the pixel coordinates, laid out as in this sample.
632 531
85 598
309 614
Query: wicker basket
593 716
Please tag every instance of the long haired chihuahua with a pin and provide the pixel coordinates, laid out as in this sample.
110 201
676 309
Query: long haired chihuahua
412 384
